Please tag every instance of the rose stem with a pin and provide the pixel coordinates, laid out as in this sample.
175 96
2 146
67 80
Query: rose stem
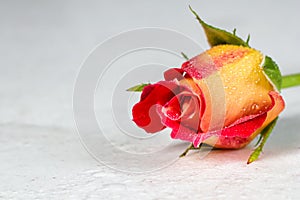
190 147
290 80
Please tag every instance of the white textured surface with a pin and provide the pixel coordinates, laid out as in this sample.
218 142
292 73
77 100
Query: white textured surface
42 46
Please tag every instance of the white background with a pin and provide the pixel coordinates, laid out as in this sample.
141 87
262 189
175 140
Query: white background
42 45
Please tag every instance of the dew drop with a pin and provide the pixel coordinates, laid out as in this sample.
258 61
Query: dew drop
255 107
257 81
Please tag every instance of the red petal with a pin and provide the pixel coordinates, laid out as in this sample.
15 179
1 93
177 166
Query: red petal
174 73
172 109
277 107
146 91
210 61
200 66
183 133
246 128
145 112
241 130
182 109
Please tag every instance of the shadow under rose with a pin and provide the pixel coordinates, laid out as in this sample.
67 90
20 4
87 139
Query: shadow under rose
285 138
211 155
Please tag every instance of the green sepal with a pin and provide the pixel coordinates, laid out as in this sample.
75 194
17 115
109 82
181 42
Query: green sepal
216 36
184 56
264 135
190 147
271 69
138 88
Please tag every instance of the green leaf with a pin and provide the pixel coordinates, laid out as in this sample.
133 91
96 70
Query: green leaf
138 88
216 36
272 71
264 137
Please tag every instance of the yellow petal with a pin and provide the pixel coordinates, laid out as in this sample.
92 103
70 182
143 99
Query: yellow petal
245 87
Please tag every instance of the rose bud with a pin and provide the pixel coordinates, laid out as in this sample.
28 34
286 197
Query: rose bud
229 114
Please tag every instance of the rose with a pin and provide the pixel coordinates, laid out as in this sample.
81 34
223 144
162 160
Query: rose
186 101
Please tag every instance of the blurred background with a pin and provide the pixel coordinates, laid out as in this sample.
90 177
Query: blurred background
42 46
43 43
